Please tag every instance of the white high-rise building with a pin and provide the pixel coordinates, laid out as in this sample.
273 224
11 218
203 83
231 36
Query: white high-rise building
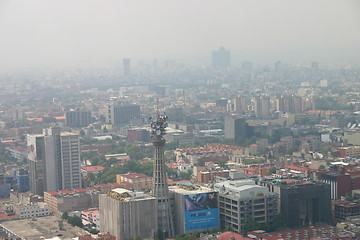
54 161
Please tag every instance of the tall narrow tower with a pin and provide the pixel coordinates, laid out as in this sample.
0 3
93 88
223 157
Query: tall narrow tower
160 188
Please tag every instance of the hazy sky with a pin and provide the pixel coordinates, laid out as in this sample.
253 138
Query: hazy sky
40 33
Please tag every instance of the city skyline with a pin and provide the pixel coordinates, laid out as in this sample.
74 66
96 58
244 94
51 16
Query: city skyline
69 34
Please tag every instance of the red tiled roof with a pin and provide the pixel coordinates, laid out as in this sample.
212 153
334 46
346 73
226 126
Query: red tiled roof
79 189
52 192
65 191
3 216
93 168
231 236
35 119
290 180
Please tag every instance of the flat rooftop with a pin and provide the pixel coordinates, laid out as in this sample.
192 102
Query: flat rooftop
183 191
47 227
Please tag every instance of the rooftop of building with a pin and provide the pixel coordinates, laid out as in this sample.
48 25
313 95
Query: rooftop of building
320 232
134 176
232 236
185 188
98 187
47 227
93 168
241 188
126 195
346 203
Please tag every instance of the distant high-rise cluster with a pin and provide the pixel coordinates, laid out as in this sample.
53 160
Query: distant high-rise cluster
290 104
262 106
221 58
54 161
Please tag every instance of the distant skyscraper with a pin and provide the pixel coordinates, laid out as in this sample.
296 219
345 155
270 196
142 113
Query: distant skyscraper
54 161
221 58
160 188
239 104
126 63
290 104
262 106
315 65
247 66
236 129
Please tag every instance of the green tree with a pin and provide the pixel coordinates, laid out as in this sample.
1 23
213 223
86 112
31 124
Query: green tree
272 170
278 223
65 215
75 221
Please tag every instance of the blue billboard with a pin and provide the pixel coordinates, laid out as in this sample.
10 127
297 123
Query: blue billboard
201 211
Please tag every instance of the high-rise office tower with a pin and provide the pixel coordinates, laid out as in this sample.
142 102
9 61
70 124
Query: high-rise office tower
237 129
77 118
54 161
122 114
160 188
221 58
126 65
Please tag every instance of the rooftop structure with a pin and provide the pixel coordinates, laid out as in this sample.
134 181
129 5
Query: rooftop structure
242 200
127 214
47 227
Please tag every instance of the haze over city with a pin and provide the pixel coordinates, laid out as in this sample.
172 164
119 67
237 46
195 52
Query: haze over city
180 120
56 34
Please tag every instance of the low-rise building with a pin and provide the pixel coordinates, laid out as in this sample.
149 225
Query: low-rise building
32 210
344 209
140 181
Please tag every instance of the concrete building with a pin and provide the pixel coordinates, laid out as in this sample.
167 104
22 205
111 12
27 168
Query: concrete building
48 227
32 210
262 106
75 200
126 66
242 200
122 114
221 58
351 151
302 203
140 181
195 208
77 118
21 180
343 209
54 161
236 129
126 214
290 104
